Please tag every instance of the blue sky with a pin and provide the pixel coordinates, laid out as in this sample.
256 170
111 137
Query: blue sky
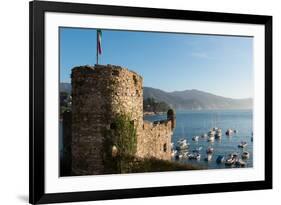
222 65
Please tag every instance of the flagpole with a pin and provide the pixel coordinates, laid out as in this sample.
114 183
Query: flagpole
97 48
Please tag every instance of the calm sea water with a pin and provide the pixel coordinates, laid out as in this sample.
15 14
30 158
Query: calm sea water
192 123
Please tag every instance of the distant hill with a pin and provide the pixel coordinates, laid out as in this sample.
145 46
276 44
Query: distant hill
196 100
188 99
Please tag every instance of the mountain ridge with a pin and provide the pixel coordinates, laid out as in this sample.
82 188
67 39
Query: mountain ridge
188 99
196 100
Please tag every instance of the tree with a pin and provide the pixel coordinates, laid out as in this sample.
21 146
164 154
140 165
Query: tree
151 105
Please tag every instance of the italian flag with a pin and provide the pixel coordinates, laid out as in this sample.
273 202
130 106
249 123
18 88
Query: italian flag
99 40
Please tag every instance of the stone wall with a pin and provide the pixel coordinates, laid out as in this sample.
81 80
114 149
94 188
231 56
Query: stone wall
156 140
99 94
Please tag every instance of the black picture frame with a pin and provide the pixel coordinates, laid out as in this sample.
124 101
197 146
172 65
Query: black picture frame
37 9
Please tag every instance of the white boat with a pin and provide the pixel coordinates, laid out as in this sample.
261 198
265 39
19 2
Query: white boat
229 131
232 158
229 161
235 155
211 138
218 134
195 138
211 133
242 144
240 163
182 144
245 155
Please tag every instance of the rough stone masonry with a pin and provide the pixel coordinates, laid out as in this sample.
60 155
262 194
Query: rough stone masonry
99 94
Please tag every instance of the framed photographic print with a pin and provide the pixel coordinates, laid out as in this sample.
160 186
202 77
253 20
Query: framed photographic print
139 102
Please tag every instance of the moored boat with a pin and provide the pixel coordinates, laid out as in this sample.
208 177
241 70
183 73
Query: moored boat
229 132
195 138
211 133
182 144
195 156
232 158
245 155
211 138
240 163
218 134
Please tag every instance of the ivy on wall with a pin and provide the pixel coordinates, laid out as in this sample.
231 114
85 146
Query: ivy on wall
120 143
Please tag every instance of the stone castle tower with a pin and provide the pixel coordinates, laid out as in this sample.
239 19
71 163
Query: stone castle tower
99 94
